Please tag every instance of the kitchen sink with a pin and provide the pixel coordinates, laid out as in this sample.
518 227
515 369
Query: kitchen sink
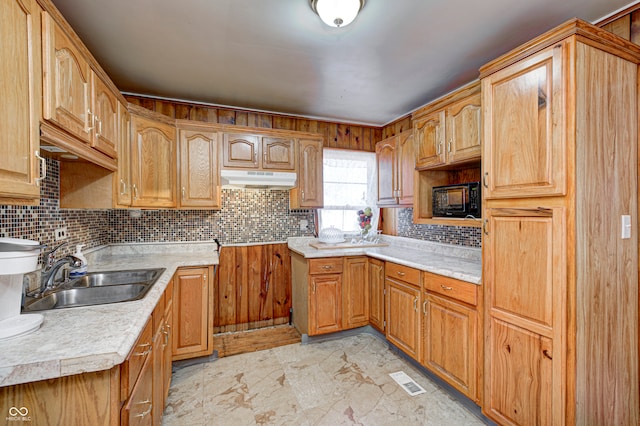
96 288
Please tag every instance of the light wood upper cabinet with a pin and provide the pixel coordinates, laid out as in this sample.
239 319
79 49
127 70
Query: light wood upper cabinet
153 163
524 151
199 186
395 159
67 82
448 132
278 153
355 292
309 191
122 181
464 130
376 293
192 313
105 114
240 150
386 161
251 151
429 133
20 82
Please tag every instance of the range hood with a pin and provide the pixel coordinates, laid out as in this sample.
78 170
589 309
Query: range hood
257 179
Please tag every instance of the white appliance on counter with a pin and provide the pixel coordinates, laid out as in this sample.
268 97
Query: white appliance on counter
16 259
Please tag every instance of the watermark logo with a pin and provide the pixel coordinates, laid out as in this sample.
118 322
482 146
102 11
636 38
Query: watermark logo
20 414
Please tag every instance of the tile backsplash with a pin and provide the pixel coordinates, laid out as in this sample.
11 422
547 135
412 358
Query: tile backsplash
458 235
246 216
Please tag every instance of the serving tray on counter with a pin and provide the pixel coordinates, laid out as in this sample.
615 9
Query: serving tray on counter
327 246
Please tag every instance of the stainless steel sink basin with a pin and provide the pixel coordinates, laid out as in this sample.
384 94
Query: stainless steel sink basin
97 288
99 279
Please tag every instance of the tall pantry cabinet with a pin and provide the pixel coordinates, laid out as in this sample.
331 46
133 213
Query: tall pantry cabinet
560 164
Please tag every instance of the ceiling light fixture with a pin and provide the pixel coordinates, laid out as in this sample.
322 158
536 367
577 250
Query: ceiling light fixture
337 13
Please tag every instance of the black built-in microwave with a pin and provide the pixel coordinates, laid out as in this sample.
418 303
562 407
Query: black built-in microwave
460 200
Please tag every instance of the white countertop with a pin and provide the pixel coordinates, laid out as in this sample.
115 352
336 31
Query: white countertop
93 338
462 263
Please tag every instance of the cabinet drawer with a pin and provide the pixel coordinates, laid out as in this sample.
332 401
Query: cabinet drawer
138 409
325 266
402 273
135 360
460 290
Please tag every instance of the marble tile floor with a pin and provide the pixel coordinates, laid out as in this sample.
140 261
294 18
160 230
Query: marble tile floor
336 382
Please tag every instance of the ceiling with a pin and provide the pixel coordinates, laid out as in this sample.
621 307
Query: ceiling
277 56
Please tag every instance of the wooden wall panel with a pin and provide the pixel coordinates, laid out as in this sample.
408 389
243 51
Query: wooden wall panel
336 135
253 287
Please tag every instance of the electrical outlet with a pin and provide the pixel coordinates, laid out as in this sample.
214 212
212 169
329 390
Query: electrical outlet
60 234
304 224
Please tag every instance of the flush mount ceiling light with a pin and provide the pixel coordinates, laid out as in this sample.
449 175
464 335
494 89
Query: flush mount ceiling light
337 13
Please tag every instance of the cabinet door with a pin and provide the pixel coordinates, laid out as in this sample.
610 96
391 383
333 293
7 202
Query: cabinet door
168 339
376 293
199 169
308 194
278 153
325 303
463 131
192 313
123 187
524 148
153 160
355 292
406 154
240 150
450 332
387 173
429 134
20 75
403 319
105 111
524 275
519 382
137 410
67 79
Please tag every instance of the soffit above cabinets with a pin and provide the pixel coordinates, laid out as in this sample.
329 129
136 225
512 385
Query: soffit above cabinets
277 56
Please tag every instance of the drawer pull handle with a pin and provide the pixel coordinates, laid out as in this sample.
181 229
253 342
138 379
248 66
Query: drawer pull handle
148 410
167 333
424 307
446 288
146 351
402 274
415 304
43 168
546 354
327 267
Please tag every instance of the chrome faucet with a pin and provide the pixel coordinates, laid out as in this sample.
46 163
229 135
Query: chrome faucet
51 268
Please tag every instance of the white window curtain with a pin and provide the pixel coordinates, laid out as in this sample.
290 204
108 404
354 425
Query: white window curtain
350 184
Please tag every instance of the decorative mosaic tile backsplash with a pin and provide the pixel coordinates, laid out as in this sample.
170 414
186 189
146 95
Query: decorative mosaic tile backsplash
458 235
246 216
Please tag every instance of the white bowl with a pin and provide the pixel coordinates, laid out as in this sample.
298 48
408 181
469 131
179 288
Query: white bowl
19 262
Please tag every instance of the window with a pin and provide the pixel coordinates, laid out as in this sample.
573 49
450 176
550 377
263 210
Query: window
350 184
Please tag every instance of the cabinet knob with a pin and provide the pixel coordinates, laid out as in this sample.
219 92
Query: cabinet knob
424 307
485 231
135 192
415 304
302 195
183 192
484 180
99 130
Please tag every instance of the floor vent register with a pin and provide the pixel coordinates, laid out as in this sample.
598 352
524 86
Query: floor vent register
407 383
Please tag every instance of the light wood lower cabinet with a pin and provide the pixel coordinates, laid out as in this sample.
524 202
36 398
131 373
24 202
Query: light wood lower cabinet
192 313
403 315
376 294
325 303
450 333
355 292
